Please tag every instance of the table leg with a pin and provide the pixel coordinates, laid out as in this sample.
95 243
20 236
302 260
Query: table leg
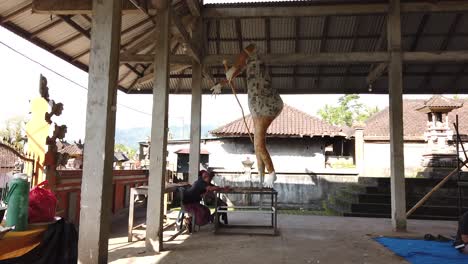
276 214
216 212
131 211
272 207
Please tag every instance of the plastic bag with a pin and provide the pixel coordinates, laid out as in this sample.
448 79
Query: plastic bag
42 204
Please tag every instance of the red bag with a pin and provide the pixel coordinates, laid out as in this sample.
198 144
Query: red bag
42 204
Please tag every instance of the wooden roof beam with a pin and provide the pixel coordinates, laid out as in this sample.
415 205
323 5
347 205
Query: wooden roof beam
187 39
330 10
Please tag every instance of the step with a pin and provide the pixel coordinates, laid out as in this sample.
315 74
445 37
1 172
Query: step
420 217
411 200
450 211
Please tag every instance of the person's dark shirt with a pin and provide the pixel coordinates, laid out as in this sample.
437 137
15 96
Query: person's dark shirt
194 193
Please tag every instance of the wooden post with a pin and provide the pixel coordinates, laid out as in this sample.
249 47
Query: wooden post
96 185
195 123
159 129
395 84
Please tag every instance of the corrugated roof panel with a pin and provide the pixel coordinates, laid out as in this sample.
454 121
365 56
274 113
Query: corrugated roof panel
430 43
28 21
341 26
282 27
371 24
282 70
227 29
211 47
84 59
281 82
463 26
458 43
282 46
229 47
309 46
365 44
60 33
9 6
410 23
305 83
439 23
81 21
211 27
307 69
261 45
338 45
253 28
311 26
74 48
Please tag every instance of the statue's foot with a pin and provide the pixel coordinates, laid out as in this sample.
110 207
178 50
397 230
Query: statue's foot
269 180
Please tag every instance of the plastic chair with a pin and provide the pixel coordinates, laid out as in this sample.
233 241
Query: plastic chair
182 212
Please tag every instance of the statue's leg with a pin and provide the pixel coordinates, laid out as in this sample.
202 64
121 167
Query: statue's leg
261 124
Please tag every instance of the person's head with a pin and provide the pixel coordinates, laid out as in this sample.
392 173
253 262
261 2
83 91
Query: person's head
206 176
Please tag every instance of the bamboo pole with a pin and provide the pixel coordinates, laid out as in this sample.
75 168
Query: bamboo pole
438 186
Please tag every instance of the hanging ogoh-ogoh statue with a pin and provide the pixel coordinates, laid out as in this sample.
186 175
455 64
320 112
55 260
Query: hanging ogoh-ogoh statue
265 105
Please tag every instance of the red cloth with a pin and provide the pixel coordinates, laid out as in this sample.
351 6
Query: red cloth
42 204
202 213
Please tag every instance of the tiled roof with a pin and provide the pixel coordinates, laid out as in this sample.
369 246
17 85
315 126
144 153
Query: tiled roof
440 102
290 123
187 151
414 122
71 149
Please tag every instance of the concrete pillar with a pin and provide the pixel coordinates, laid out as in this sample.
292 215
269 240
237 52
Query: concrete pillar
195 123
359 149
395 84
96 191
159 129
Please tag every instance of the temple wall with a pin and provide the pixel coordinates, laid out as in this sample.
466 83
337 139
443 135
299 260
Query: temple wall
292 155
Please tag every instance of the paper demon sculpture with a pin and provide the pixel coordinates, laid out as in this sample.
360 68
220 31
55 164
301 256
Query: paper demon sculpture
265 104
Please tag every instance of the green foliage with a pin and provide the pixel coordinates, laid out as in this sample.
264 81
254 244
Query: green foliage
129 151
13 130
348 112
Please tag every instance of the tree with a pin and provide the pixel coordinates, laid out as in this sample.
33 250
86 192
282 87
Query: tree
131 152
13 131
348 112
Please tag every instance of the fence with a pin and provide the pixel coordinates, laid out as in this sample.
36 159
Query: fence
68 190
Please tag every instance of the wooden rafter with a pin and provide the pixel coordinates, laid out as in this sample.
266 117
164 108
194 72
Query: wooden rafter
46 27
15 13
193 48
330 10
87 34
40 43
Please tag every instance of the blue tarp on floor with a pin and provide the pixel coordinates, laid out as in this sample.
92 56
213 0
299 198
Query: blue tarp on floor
424 252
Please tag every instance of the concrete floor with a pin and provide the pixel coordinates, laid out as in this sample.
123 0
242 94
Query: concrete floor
302 239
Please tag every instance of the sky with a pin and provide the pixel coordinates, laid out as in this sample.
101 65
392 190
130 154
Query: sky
19 83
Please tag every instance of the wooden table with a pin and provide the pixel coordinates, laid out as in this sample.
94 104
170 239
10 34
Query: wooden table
260 209
16 244
143 190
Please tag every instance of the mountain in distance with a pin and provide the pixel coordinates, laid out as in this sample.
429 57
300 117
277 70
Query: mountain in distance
131 136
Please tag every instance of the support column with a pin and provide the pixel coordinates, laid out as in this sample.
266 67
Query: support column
96 191
195 123
359 149
395 87
159 129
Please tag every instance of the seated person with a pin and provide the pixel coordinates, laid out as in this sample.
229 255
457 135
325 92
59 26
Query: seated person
461 242
193 196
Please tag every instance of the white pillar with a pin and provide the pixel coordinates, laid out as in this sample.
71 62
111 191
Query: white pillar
195 123
359 149
395 84
96 191
159 129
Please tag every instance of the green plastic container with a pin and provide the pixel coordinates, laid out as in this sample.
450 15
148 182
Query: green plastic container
18 202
